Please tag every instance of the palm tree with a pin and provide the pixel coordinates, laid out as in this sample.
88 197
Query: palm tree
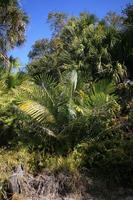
12 25
58 106
8 78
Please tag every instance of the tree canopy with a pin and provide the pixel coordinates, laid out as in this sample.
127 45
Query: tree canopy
85 44
13 22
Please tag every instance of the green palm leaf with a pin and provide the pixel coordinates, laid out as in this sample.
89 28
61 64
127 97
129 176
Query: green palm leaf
37 111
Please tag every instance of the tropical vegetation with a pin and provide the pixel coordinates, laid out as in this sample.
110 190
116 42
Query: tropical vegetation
73 108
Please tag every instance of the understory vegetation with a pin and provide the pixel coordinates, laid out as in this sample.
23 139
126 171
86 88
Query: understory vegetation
72 108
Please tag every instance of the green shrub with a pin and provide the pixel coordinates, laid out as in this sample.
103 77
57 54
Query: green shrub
110 156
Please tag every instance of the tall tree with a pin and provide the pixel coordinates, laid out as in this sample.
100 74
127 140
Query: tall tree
84 44
13 22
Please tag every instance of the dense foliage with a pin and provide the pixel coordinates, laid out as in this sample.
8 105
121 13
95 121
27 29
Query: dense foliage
13 22
74 108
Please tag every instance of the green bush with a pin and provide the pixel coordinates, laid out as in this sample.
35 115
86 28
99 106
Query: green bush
110 154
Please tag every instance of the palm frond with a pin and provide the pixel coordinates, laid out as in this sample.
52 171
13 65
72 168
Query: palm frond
37 111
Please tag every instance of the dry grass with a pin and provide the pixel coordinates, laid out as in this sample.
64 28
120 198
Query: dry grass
9 159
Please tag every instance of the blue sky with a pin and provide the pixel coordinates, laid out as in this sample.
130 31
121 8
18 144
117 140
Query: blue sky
38 11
